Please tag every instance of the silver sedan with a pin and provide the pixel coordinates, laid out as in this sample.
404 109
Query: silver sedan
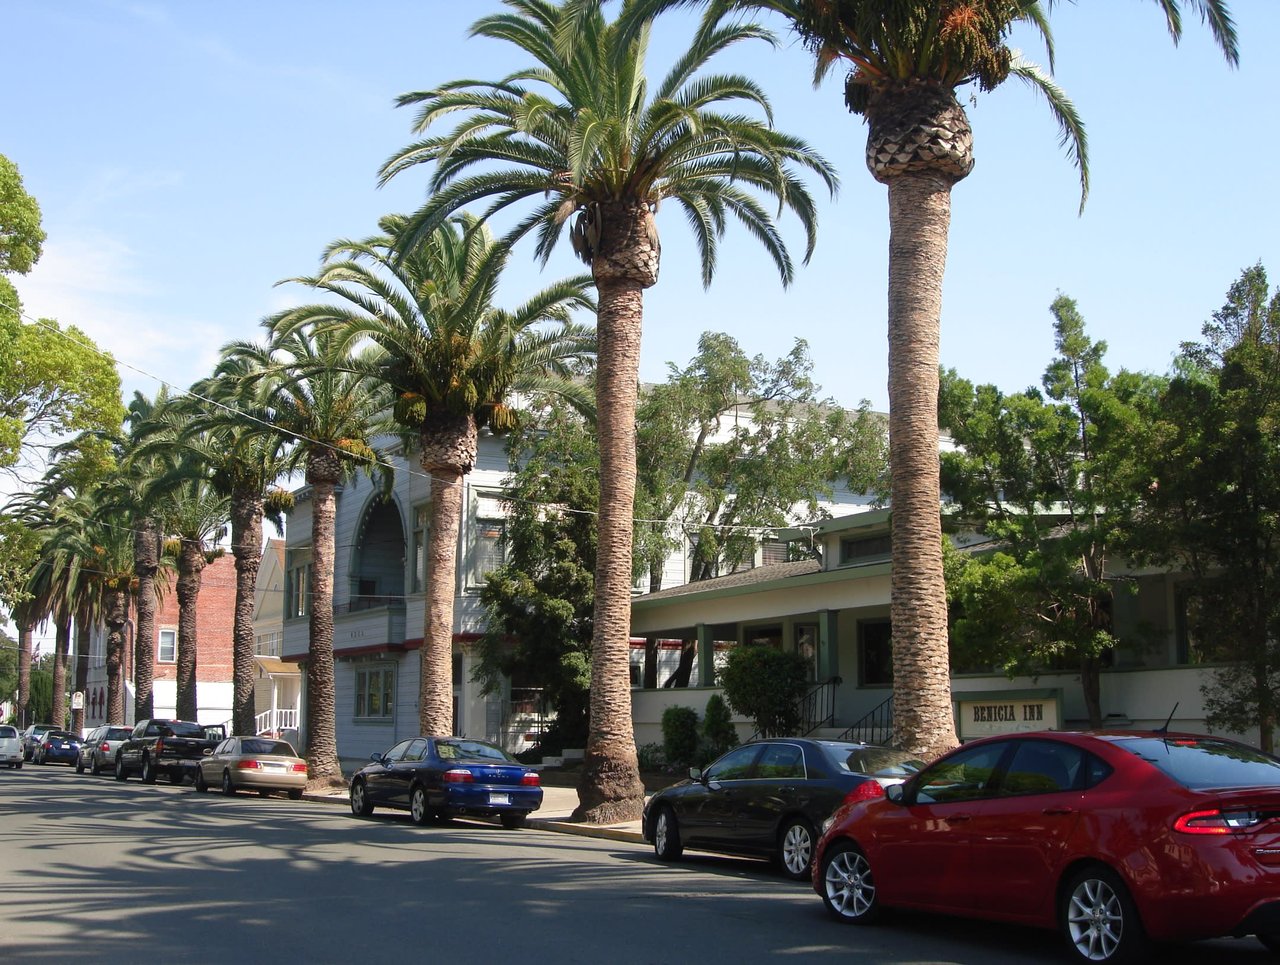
261 764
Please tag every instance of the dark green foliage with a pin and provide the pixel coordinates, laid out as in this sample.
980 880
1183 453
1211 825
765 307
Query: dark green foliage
680 735
718 731
766 685
41 704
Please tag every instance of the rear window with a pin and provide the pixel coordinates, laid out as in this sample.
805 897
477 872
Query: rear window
882 762
181 728
117 734
61 735
260 746
1206 762
7 731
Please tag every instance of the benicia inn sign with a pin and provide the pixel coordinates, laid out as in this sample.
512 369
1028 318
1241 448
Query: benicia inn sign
1007 712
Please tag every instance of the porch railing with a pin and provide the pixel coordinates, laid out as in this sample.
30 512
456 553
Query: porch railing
817 708
275 720
875 727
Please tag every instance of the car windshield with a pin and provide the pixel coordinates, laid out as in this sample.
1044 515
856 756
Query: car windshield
1204 762
456 749
266 747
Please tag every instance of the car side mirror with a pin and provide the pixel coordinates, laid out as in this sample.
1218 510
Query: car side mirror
376 757
208 752
895 793
695 773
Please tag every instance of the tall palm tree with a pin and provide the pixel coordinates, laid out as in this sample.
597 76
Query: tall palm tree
905 61
451 361
580 135
332 414
224 433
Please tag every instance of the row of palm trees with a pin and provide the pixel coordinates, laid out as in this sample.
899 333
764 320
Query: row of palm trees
581 140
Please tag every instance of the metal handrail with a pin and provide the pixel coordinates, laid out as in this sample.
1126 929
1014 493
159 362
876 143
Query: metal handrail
817 708
874 727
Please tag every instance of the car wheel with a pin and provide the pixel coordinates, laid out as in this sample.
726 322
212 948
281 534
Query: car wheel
666 835
361 806
848 888
148 771
121 773
1271 940
295 794
79 765
512 820
1099 919
228 788
200 783
18 766
95 766
795 849
418 809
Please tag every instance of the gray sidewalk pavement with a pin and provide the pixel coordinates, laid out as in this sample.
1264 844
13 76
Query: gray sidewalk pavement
558 804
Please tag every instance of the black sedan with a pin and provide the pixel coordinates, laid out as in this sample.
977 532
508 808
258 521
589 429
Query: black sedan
435 778
768 799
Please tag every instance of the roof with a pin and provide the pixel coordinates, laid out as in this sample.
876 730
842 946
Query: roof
759 574
276 665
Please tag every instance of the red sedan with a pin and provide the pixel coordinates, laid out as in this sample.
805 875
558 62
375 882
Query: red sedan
1117 839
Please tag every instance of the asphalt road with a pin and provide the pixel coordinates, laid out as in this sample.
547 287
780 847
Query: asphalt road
96 871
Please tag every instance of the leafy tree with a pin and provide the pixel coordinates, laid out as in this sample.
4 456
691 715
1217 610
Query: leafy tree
582 135
8 667
905 60
718 732
452 360
1211 505
1048 477
766 685
21 236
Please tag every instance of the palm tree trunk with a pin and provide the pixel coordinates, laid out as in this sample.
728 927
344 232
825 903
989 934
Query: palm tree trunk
191 563
61 650
610 789
82 667
25 631
146 562
246 545
323 766
919 217
116 616
435 704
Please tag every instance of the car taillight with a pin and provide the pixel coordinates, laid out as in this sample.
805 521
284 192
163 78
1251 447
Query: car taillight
1216 821
248 765
159 745
532 779
457 776
105 748
299 768
866 791
47 745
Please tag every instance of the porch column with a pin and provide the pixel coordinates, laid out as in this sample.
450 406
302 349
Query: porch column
706 657
828 644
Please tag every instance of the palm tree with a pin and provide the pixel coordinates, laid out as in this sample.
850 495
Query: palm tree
451 360
224 433
906 58
332 414
580 135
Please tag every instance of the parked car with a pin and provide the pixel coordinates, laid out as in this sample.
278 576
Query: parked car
10 746
1117 839
261 764
98 751
767 799
440 777
171 747
31 737
57 746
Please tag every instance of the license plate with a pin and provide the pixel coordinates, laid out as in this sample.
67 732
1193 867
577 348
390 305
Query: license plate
269 766
499 798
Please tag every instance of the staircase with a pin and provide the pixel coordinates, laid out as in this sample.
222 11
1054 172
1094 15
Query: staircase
875 727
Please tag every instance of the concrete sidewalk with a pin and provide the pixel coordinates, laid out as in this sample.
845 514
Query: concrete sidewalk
558 804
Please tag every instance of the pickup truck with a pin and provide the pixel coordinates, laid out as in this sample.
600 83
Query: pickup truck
172 747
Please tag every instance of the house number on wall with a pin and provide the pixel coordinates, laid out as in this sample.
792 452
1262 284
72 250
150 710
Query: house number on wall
355 634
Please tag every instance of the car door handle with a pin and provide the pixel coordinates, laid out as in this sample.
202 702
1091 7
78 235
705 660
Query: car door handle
958 818
1058 811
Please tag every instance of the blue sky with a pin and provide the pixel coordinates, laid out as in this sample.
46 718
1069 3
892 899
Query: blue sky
187 156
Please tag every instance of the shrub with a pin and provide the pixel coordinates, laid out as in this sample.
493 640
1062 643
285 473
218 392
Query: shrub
717 727
651 757
680 735
766 685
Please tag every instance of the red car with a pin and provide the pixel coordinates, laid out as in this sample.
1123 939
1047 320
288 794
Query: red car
1117 839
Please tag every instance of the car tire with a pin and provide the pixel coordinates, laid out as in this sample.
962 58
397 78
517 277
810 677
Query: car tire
199 782
512 820
361 806
148 771
18 766
95 766
79 765
295 794
418 809
121 773
795 849
1099 919
848 887
666 835
228 788
1270 941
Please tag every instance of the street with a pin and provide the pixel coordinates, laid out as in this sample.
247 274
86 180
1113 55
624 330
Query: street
96 871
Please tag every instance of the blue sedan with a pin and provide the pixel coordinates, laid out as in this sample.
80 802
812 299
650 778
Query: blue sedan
57 745
435 778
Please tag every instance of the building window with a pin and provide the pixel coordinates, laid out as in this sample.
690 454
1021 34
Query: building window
167 647
299 598
864 549
375 690
267 644
419 548
490 549
875 653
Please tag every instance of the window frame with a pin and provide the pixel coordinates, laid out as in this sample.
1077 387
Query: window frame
383 675
160 635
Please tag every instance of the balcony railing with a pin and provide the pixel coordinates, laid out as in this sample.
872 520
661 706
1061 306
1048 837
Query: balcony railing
276 720
357 603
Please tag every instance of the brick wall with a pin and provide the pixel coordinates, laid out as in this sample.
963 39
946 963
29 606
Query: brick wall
214 622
